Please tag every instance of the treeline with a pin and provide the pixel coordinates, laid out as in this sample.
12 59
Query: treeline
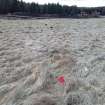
23 8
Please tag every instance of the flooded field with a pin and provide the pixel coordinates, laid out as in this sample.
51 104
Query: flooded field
52 62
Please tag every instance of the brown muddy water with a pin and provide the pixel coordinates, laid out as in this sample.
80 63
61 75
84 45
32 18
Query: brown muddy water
52 62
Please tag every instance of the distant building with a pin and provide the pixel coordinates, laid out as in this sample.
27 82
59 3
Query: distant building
86 15
83 14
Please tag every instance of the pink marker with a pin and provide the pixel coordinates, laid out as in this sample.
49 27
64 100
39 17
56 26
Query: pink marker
61 80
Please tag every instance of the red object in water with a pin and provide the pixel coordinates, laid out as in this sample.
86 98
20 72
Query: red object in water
61 80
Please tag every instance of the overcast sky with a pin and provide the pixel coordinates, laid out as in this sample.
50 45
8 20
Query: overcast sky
86 3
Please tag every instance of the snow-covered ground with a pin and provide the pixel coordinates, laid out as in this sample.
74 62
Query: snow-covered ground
52 62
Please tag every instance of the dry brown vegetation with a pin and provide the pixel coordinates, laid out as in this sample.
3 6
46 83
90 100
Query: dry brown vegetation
63 65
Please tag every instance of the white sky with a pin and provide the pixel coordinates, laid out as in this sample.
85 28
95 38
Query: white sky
80 3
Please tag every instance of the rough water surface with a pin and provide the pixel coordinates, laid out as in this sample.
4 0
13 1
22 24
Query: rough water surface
52 62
